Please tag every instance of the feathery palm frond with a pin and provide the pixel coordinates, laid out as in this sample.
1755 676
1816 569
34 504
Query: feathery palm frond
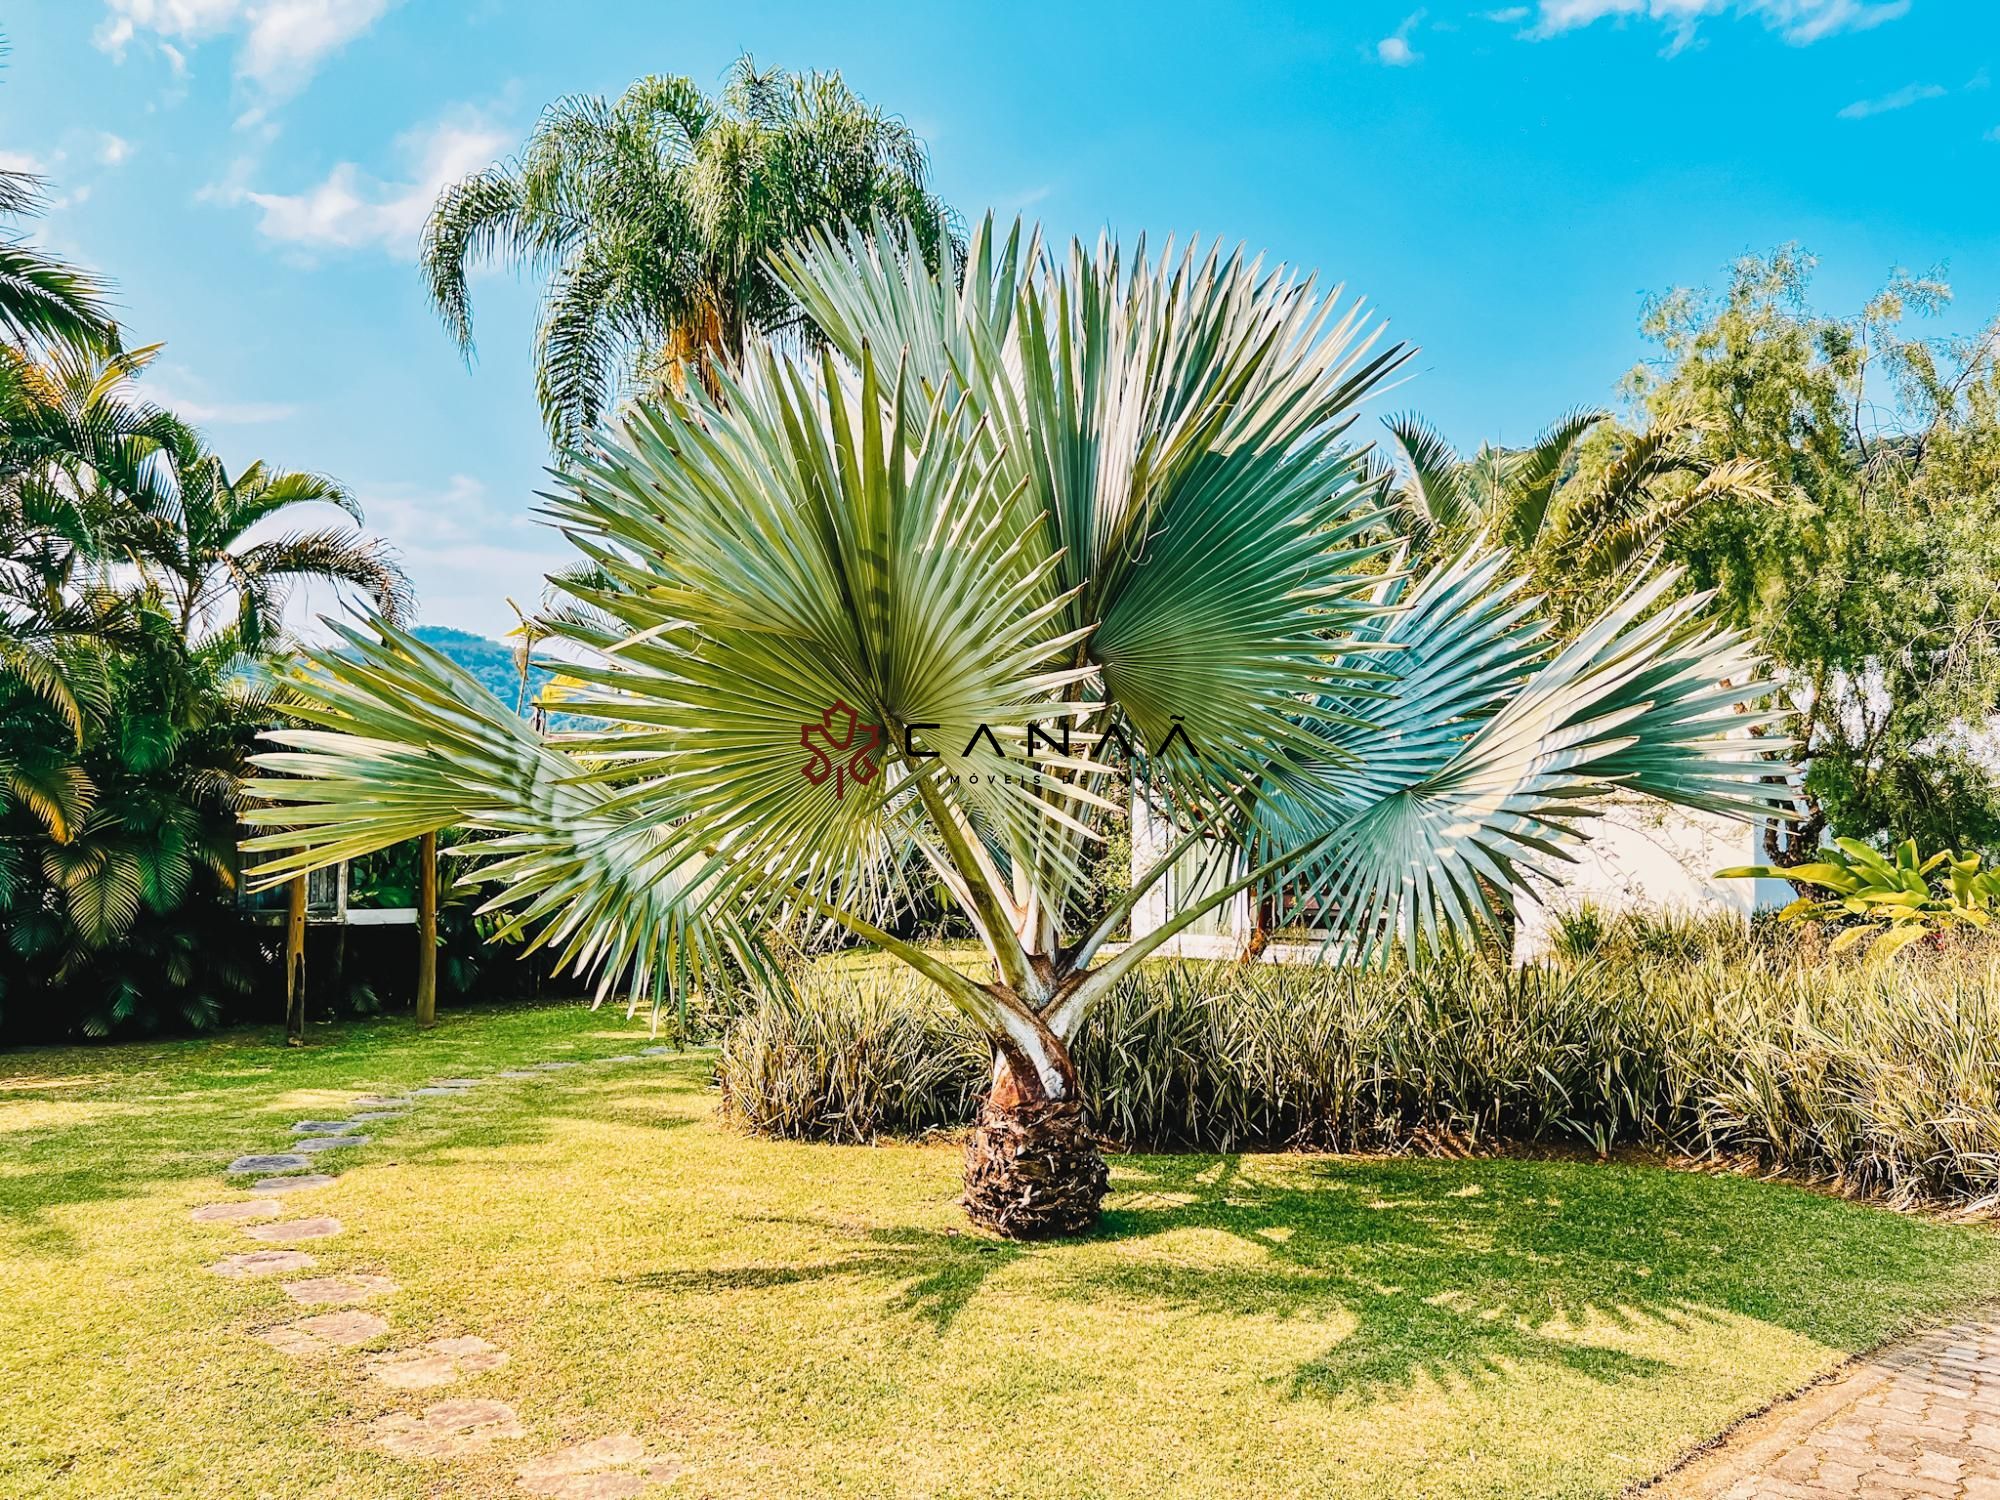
652 219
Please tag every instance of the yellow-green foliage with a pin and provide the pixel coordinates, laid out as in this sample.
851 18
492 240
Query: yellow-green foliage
1895 902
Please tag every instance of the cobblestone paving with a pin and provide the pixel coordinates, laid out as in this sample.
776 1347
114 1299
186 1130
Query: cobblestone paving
1920 1419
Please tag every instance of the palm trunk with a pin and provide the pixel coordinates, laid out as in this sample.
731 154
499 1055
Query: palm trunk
1032 1168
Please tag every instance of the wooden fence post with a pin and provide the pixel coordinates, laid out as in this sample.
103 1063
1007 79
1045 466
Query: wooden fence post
295 962
427 931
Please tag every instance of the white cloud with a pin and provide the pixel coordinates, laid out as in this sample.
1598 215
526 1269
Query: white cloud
350 209
23 161
1512 15
1902 98
283 41
112 149
187 395
466 554
1394 50
1800 21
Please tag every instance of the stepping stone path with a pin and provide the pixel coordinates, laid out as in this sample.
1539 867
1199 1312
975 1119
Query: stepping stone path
293 1230
609 1468
436 1364
324 1332
332 1142
291 1184
337 1291
1920 1418
280 1162
263 1263
450 1429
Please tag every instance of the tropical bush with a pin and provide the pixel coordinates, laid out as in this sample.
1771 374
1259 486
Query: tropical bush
1882 1082
1891 900
138 608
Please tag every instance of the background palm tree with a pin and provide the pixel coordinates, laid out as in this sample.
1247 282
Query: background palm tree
1577 518
224 590
132 601
1039 524
654 218
46 303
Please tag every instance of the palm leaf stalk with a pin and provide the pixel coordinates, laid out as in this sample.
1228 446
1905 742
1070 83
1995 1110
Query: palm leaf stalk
1034 533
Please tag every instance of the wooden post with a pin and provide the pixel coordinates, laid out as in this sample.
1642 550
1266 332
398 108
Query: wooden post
295 962
427 930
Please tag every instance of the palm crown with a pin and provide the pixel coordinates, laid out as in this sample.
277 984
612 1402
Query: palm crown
1040 521
654 215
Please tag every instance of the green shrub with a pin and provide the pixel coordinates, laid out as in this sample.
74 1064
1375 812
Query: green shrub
1884 1082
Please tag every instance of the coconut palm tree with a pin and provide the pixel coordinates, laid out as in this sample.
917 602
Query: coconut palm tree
1029 527
654 218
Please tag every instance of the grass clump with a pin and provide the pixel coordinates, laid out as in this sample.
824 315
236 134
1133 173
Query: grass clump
1882 1081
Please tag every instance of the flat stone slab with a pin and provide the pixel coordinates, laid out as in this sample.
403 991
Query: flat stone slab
606 1484
322 1127
292 1184
623 1057
436 1092
325 1332
654 1051
607 1468
247 1212
263 1263
370 1116
550 1067
293 1230
450 1429
518 1073
333 1142
336 1291
379 1101
435 1364
456 1083
281 1161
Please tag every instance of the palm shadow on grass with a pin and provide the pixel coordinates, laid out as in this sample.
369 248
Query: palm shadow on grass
1452 1272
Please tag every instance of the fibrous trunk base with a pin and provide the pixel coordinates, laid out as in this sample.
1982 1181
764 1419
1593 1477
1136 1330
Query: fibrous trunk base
1032 1171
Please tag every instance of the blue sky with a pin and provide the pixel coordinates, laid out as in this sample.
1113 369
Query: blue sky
1505 182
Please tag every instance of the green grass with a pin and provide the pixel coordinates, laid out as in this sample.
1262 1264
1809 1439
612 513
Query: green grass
815 1320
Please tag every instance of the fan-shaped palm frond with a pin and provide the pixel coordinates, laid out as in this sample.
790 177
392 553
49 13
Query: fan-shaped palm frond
1025 526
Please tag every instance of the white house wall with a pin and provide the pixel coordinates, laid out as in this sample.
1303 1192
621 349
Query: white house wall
1641 856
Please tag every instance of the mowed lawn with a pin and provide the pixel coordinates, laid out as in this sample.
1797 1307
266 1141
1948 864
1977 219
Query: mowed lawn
803 1320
